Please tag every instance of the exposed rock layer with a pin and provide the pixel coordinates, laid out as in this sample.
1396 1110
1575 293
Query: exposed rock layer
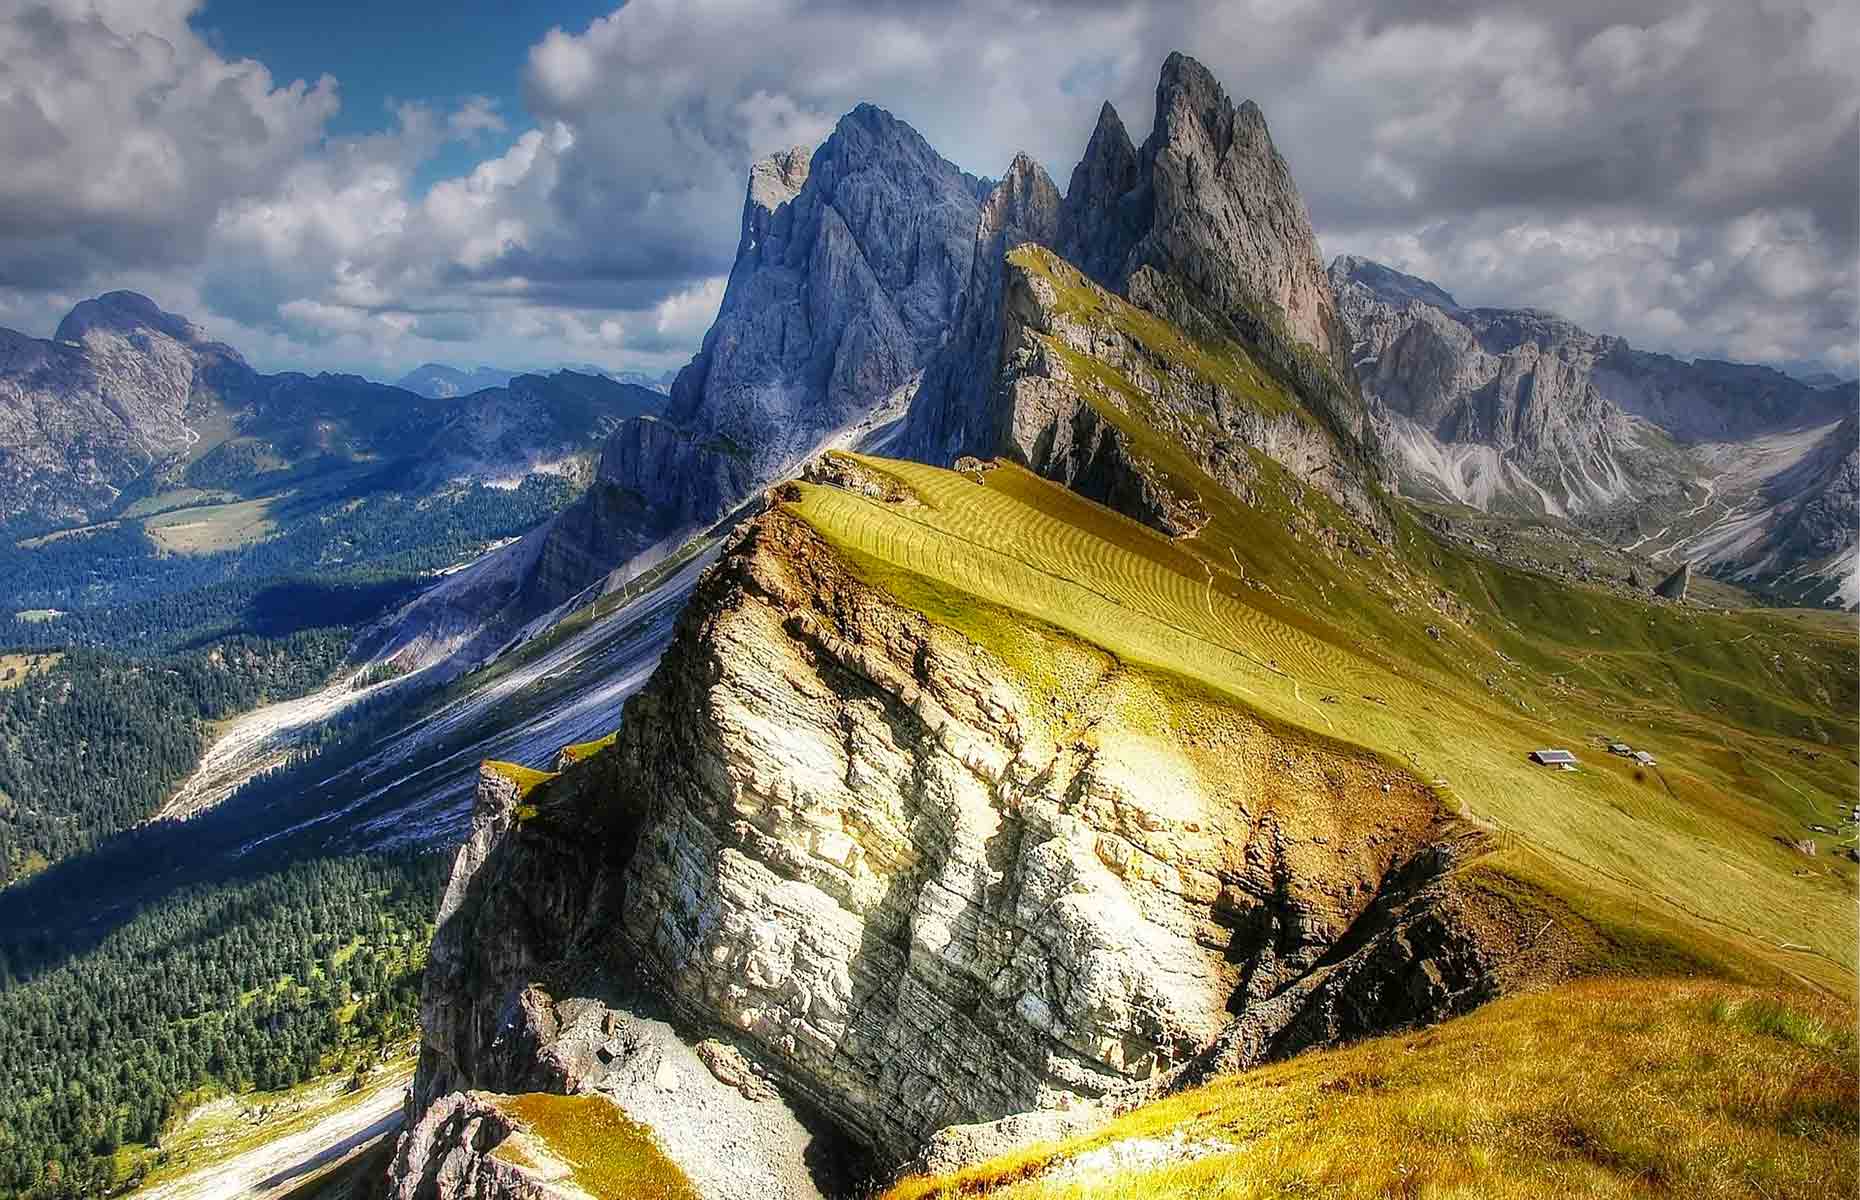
857 840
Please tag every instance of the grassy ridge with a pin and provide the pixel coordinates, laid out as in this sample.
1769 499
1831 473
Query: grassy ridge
1616 1088
1354 661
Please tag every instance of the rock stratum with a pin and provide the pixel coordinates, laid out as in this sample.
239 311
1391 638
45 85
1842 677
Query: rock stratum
864 844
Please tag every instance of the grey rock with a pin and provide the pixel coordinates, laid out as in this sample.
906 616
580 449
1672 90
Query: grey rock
851 842
846 279
848 270
955 412
1673 587
1201 226
1521 411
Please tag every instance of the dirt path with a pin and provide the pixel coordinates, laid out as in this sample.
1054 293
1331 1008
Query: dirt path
281 1164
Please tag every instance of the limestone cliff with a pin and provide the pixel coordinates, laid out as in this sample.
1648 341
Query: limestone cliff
858 841
1201 227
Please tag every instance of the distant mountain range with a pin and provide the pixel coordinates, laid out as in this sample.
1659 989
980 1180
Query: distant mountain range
126 401
1743 469
440 382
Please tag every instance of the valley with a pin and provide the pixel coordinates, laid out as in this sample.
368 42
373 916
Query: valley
1064 695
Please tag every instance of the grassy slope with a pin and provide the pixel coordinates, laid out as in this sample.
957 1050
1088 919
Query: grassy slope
1456 667
1614 1088
612 1157
1351 659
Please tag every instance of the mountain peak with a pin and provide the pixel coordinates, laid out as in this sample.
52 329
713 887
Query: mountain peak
1218 209
124 312
1388 284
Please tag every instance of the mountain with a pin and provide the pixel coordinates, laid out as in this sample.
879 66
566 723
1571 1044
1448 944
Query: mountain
1521 411
969 807
440 382
127 401
1202 228
848 269
101 404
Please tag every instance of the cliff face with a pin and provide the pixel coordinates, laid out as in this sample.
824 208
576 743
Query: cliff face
850 264
1201 227
1099 395
846 279
859 842
1213 203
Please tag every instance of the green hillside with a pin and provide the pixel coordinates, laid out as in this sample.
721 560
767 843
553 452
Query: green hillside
1339 645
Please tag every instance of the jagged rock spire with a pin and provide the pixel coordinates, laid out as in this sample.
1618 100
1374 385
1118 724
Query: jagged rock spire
955 413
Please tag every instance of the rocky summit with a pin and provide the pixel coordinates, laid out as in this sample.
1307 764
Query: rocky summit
1201 228
849 267
1135 737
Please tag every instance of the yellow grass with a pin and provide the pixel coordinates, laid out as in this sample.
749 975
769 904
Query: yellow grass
613 1157
1694 838
1599 1089
207 528
15 669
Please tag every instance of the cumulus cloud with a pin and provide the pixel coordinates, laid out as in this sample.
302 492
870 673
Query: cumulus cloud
1677 171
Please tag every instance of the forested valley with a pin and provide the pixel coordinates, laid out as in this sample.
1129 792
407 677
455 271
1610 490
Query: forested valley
147 967
94 741
260 981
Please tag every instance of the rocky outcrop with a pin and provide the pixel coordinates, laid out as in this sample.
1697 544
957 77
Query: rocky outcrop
1673 587
854 840
1211 202
955 412
846 279
1201 227
1099 395
467 1148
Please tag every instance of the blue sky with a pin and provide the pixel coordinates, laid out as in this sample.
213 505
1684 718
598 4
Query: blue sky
383 52
1679 172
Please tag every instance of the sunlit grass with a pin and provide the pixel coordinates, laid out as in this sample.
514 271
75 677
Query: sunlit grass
1618 1088
1005 560
612 1156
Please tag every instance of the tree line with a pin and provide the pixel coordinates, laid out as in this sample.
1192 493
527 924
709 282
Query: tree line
261 982
93 742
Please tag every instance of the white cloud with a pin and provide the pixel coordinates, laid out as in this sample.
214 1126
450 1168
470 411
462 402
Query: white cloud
1677 171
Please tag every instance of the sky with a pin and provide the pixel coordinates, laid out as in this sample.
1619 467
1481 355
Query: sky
367 186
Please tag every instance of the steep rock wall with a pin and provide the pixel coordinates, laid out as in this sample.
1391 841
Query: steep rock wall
860 842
